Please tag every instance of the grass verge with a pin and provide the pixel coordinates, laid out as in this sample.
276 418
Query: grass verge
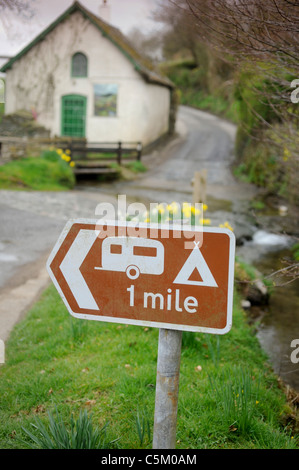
47 173
229 396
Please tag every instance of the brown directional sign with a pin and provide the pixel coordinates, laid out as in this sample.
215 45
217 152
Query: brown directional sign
112 276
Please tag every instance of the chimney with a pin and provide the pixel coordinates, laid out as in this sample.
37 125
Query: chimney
104 11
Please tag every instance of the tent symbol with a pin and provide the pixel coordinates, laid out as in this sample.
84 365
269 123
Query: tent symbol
195 261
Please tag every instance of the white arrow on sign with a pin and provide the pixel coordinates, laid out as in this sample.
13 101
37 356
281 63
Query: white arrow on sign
196 261
70 268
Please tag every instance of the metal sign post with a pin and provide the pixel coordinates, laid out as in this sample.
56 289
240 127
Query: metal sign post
149 280
167 389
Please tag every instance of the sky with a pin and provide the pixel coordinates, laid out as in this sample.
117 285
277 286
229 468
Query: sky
124 14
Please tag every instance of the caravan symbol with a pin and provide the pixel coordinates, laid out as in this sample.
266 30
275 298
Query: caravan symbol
132 255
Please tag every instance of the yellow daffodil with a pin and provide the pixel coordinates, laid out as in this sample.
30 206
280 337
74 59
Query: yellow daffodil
161 209
187 213
173 207
226 225
195 211
186 209
72 164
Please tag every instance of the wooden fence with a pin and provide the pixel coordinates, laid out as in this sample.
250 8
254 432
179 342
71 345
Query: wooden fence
89 157
96 157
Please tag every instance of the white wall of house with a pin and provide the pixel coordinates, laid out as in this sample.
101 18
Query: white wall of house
39 79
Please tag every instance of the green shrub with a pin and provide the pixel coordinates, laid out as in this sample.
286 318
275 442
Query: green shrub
80 434
199 88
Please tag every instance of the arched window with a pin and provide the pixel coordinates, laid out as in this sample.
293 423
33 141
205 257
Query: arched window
79 65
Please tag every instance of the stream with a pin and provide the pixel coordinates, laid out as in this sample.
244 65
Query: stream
280 323
265 242
277 323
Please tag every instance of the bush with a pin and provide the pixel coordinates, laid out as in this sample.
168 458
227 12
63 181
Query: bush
201 88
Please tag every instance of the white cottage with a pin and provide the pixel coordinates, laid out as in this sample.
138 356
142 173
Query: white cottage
81 78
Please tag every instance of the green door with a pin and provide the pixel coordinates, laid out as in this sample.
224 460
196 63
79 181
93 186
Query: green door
73 115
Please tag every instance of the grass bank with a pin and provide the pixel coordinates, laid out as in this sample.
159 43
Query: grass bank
50 172
229 396
197 88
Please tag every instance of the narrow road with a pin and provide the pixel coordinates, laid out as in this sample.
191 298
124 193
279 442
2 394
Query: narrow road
208 143
30 222
204 142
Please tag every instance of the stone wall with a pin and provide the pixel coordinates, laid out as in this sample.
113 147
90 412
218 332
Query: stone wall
12 148
21 136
